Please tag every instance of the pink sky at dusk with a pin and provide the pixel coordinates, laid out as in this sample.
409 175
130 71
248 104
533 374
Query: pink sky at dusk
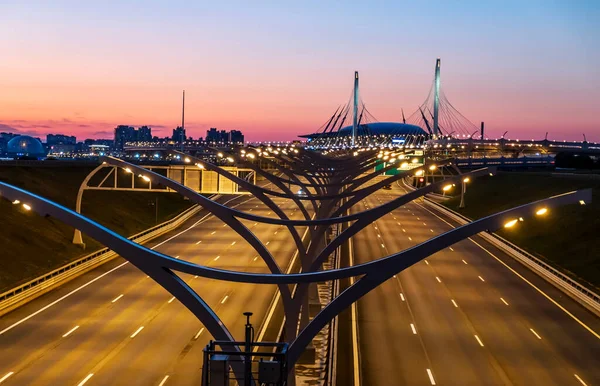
275 72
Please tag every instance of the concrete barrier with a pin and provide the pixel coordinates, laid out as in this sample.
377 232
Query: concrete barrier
26 292
577 291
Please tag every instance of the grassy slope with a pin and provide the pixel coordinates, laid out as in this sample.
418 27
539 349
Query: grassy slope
31 245
567 237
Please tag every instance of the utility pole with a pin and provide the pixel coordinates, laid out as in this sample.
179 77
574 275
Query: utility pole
183 121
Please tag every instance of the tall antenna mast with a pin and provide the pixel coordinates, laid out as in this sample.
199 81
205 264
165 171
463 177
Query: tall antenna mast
183 121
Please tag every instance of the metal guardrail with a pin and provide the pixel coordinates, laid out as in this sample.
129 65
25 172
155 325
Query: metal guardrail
30 290
574 289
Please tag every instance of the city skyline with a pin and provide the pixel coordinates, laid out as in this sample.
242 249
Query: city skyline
276 71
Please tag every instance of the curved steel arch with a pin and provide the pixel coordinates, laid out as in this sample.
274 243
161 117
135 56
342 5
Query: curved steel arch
159 266
391 265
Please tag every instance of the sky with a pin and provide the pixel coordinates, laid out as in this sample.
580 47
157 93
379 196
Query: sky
276 69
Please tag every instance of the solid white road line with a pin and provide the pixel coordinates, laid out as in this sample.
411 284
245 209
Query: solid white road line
137 332
59 299
455 305
200 221
504 301
4 378
85 379
166 376
414 330
479 340
199 333
117 298
430 377
535 333
70 331
581 323
576 376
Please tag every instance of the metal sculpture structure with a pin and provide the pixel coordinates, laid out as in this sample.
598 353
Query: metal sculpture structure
333 181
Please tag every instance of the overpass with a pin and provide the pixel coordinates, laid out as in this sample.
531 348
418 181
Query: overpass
117 325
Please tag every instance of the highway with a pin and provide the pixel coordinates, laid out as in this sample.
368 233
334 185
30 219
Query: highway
116 326
468 315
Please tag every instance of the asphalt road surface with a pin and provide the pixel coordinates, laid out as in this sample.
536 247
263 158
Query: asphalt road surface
468 315
116 326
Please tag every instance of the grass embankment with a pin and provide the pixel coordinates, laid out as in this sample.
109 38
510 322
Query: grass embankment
31 245
567 237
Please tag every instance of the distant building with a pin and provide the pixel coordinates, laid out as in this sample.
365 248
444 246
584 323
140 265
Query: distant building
60 139
212 135
123 134
178 134
24 146
215 136
236 137
4 138
144 133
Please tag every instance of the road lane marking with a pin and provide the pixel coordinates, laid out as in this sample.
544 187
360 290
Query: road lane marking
233 243
4 378
85 379
177 257
424 224
430 377
217 258
378 235
267 243
480 278
414 330
452 249
479 340
117 298
438 279
171 300
431 230
403 230
504 301
535 333
426 262
465 262
198 242
402 296
224 299
213 232
576 376
166 376
382 245
137 332
199 333
409 238
70 331
582 324
255 258
200 221
453 302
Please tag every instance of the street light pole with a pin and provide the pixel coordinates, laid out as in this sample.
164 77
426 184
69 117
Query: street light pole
463 190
